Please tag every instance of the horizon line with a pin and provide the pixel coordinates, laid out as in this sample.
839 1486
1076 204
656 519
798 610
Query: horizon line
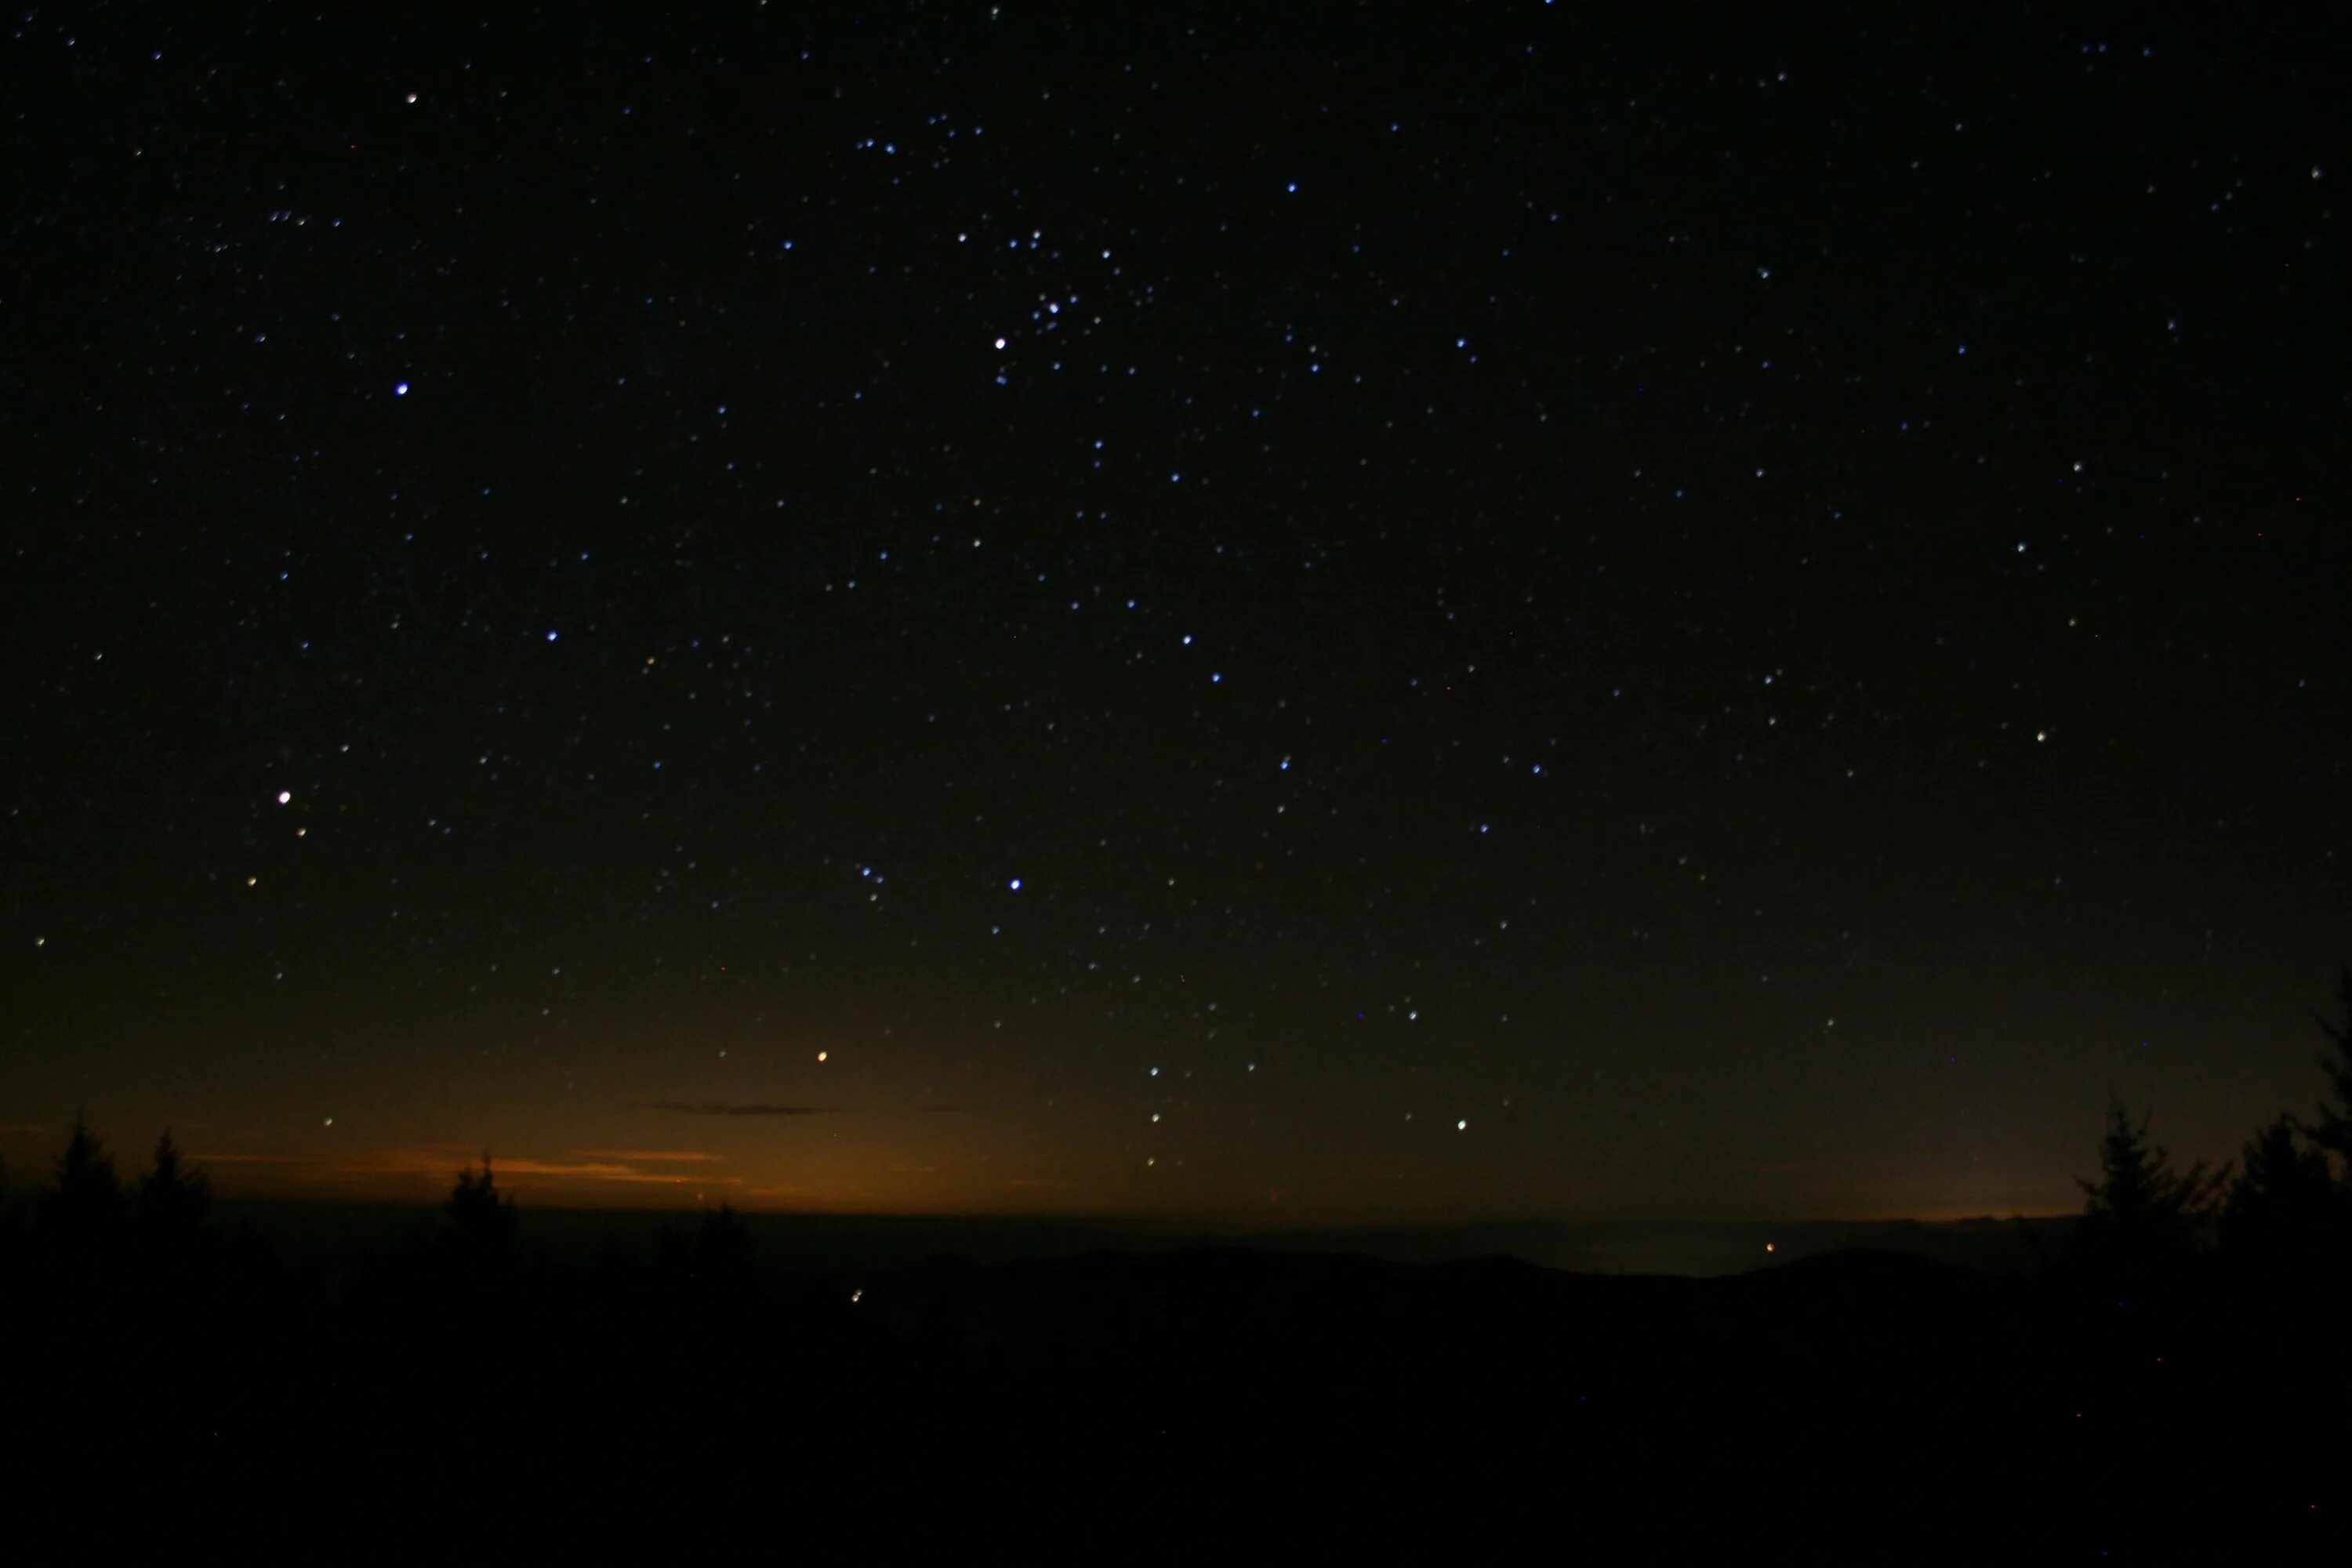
1115 1220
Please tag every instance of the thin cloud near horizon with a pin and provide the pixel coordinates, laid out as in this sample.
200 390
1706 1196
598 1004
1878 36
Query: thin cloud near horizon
653 1156
724 1108
629 1167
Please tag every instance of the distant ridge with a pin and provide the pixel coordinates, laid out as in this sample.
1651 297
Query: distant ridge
832 1243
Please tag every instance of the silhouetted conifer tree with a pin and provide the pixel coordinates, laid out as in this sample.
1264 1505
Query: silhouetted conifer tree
2332 1132
173 1196
87 1202
2141 1214
482 1218
2284 1201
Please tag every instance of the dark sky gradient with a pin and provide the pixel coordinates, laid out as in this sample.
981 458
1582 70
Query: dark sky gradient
1391 613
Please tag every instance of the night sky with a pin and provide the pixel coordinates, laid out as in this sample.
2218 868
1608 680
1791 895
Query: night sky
1384 613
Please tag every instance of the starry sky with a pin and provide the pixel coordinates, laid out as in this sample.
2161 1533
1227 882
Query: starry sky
1224 611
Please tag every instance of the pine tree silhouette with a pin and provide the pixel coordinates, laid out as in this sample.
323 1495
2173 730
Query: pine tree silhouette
2284 1201
2141 1214
86 1203
2332 1132
173 1196
482 1218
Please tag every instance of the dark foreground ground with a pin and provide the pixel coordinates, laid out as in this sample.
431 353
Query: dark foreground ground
1861 1405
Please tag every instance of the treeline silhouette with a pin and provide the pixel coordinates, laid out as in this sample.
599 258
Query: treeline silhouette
2171 1373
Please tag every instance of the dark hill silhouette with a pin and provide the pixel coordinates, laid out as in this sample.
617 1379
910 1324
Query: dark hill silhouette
1889 1404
